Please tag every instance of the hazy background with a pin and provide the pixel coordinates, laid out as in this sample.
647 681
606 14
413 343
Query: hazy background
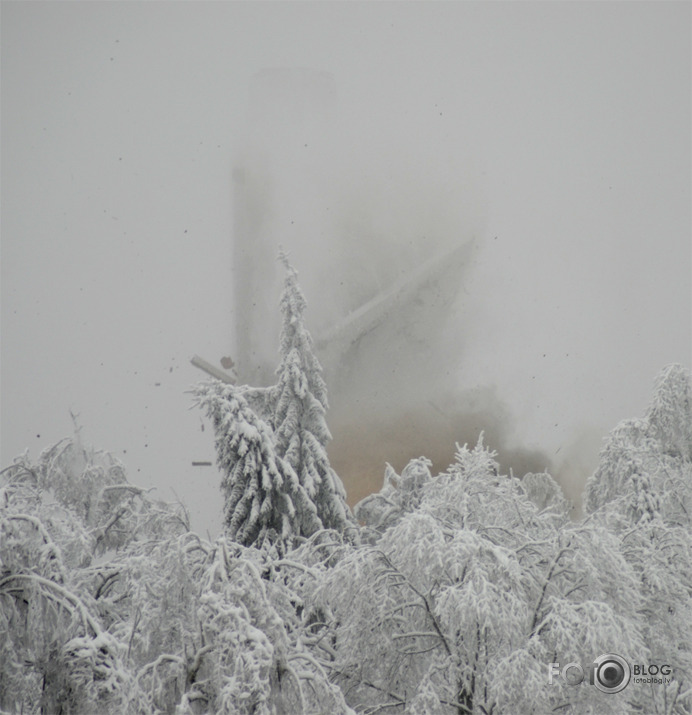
548 143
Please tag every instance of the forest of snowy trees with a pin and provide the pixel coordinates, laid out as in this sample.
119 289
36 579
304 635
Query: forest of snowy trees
448 593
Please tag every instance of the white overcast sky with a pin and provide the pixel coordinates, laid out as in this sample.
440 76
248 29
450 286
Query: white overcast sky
558 134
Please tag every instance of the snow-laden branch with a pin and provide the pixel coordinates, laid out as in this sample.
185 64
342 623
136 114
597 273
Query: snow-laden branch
548 578
422 596
53 590
296 565
45 536
164 658
416 634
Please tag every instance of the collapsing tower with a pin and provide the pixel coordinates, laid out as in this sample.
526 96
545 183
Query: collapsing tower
372 300
381 296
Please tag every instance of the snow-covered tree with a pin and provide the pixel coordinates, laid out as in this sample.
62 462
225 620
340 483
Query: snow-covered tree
545 493
470 592
257 646
263 496
67 524
465 587
646 464
642 493
670 412
399 494
162 621
300 427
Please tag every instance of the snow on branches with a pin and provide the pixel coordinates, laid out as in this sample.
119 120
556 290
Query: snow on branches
642 493
300 426
645 469
59 517
263 496
455 596
160 621
271 442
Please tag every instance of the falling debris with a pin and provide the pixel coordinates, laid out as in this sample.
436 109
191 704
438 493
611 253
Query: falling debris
212 370
201 464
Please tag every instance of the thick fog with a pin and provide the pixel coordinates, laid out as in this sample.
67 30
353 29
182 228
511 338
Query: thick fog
488 206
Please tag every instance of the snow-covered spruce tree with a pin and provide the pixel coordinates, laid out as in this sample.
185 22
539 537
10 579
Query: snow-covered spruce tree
263 496
300 427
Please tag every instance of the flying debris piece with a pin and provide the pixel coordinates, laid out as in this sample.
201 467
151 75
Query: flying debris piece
201 464
210 369
227 363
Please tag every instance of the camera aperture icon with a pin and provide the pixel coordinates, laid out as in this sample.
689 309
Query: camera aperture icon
610 673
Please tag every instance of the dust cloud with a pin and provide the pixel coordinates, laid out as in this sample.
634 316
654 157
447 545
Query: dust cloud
384 240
